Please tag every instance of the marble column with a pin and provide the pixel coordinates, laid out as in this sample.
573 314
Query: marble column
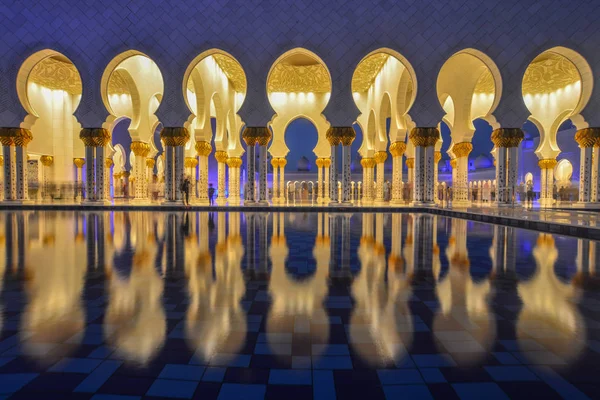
346 174
547 181
108 163
586 138
2 178
275 165
380 158
47 162
460 180
99 174
397 149
333 189
507 142
234 164
282 164
174 140
410 178
203 150
90 189
320 182
150 163
437 156
251 167
221 157
326 185
141 150
79 163
424 140
367 164
262 181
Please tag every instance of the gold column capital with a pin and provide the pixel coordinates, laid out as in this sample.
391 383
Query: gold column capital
410 162
150 163
190 162
109 162
221 156
94 137
380 157
47 161
174 136
397 149
140 149
437 156
507 137
79 162
588 137
203 148
424 137
462 149
547 163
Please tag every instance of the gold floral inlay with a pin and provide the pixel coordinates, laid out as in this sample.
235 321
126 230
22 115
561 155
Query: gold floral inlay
232 70
548 73
485 83
367 71
117 84
56 74
299 78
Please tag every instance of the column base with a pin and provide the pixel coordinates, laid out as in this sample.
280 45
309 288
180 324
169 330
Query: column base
221 201
546 202
172 203
507 205
137 201
325 200
346 204
586 204
18 202
396 201
415 203
249 203
234 201
201 202
263 203
334 203
461 203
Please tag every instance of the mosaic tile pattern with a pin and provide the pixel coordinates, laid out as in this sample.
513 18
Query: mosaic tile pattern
368 326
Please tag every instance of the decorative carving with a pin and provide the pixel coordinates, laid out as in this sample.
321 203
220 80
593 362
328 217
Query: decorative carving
15 136
380 157
150 163
286 77
1 159
140 148
94 137
56 74
410 162
174 136
437 156
232 70
79 162
203 148
367 71
221 156
282 162
424 137
234 162
256 134
367 162
462 149
454 163
507 137
343 135
548 73
486 83
47 161
397 149
190 162
547 163
109 162
117 84
588 137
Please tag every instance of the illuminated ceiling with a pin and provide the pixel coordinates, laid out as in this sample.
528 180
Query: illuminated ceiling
366 71
289 78
117 84
56 74
233 71
548 73
486 83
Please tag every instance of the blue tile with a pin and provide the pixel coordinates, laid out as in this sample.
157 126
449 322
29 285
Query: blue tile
230 360
332 363
183 372
433 375
478 391
8 343
77 365
331 349
213 374
399 377
301 362
506 358
172 388
274 348
413 392
96 379
433 360
511 373
5 360
289 377
10 383
101 352
559 384
404 362
235 391
114 397
323 385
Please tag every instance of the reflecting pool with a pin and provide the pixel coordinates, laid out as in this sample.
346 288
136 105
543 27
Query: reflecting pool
294 305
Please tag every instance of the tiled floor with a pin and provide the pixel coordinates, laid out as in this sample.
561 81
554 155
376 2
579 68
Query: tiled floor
309 305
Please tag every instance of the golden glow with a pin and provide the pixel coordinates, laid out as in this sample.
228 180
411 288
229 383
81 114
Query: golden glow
548 73
366 72
56 74
285 77
233 70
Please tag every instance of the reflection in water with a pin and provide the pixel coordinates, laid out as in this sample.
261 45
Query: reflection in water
111 270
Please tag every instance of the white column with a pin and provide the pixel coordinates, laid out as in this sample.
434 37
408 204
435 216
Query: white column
419 171
501 181
169 150
396 179
437 156
585 175
250 158
333 190
320 181
547 184
275 165
380 158
513 172
346 175
179 158
9 193
263 175
108 163
595 172
429 182
99 174
90 194
282 188
326 188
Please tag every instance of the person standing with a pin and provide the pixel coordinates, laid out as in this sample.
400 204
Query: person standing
185 189
211 193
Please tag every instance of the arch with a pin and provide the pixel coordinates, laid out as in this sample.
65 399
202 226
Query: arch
385 112
35 60
371 131
307 138
218 113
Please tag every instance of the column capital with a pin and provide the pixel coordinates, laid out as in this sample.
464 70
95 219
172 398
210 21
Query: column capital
380 157
397 149
256 134
437 156
410 162
150 162
140 149
424 137
189 162
462 149
343 135
588 137
203 148
174 136
47 161
454 163
94 137
221 156
507 137
109 162
79 162
367 162
547 163
15 136
234 162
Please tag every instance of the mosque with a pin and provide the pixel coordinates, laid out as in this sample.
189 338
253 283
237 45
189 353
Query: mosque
332 103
